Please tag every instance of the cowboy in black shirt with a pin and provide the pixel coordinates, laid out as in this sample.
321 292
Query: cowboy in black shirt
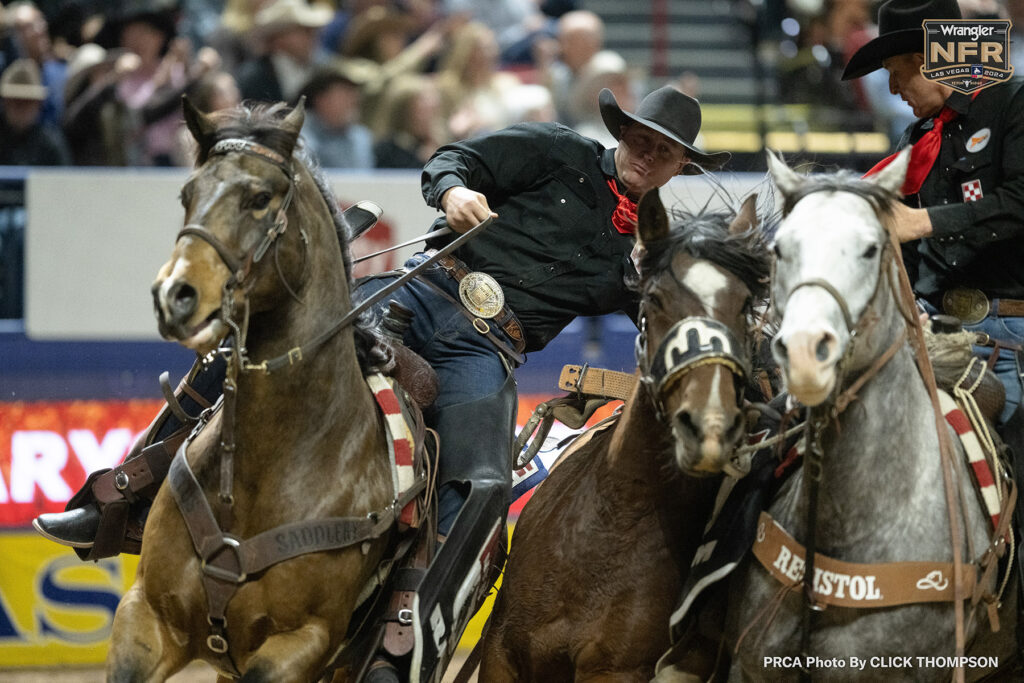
964 226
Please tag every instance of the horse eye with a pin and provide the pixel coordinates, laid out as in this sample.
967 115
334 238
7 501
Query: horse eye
777 251
871 251
260 201
654 300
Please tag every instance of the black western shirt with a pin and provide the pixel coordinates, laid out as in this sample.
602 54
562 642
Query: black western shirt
553 247
975 197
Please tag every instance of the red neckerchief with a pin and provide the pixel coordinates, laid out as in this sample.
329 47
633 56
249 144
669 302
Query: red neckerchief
923 154
624 219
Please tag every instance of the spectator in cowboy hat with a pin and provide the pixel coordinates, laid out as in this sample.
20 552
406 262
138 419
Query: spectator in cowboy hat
26 140
97 124
332 130
31 34
288 30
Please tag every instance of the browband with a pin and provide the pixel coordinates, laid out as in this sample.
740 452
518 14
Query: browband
248 147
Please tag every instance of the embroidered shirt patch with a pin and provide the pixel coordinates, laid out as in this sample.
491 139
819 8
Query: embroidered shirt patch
972 190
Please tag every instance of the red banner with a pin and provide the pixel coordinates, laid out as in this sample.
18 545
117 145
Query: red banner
47 450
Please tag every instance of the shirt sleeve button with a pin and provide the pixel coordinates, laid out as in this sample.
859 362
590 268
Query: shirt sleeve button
581 179
562 200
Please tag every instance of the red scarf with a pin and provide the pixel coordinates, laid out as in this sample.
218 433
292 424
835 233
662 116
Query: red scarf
923 154
624 219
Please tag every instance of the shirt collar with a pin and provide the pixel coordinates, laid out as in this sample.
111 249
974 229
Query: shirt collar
607 162
959 102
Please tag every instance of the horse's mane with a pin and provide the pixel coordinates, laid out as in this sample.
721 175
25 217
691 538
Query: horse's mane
881 199
262 123
705 235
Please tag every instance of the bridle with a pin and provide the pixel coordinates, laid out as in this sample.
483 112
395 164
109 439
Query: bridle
240 267
693 342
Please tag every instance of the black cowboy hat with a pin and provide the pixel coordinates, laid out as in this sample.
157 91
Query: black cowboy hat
160 14
669 112
899 32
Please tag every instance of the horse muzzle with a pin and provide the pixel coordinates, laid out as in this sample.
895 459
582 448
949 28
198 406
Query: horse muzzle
809 359
706 440
177 307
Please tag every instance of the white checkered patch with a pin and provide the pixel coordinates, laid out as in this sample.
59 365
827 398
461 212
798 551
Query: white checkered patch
972 190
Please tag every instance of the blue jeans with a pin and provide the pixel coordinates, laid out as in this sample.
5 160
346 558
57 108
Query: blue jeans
469 368
1008 366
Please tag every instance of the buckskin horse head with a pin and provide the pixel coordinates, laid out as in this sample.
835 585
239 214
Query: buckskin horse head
295 455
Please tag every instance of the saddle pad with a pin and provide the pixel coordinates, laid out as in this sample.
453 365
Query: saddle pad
981 473
401 443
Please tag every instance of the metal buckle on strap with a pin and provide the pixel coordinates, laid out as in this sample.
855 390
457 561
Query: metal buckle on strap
405 617
217 643
224 574
481 295
969 305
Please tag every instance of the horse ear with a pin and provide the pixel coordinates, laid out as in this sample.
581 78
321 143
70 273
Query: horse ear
292 123
746 218
891 177
652 223
199 124
785 178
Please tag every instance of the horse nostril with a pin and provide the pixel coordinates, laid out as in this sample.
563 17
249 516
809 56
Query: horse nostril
182 299
686 422
824 348
779 349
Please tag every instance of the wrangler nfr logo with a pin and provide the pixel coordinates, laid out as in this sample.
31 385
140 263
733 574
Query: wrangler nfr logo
967 55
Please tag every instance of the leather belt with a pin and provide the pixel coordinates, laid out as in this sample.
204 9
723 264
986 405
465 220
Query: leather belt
505 318
972 305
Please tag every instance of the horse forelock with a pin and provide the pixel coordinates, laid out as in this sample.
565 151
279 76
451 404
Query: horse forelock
706 236
261 123
880 199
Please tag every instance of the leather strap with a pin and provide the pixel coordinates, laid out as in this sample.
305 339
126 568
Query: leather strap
851 584
512 353
505 319
584 379
228 561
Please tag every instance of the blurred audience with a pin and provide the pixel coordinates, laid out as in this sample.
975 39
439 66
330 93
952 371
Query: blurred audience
332 130
97 124
472 89
580 36
166 69
27 140
214 91
812 75
31 34
606 69
413 125
287 30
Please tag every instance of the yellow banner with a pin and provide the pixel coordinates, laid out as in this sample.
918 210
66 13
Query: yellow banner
54 608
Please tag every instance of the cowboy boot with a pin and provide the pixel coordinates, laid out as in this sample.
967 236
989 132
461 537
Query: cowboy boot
107 514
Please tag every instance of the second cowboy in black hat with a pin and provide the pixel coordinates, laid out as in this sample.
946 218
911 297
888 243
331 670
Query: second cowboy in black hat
963 217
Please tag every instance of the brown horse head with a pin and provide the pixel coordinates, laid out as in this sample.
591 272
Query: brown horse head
700 279
236 249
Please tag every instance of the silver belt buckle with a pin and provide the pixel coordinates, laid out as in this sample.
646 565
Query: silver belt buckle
970 305
481 295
